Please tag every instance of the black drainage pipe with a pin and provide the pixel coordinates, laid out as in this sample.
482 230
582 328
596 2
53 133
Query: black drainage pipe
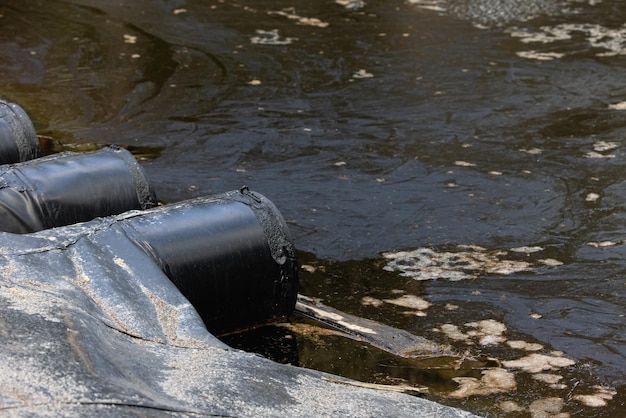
18 139
230 255
67 188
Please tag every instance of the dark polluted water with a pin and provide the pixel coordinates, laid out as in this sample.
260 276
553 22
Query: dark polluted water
454 169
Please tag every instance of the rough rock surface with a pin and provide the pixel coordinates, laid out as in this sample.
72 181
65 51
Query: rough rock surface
89 325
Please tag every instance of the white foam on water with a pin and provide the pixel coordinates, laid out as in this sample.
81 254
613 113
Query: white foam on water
496 380
410 301
351 4
469 262
300 20
609 42
270 37
535 363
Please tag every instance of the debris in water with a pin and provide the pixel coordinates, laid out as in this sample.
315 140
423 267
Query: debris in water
362 74
351 4
452 331
608 40
532 151
271 37
307 21
376 386
597 399
618 106
464 164
601 146
487 331
370 301
593 154
390 339
547 407
527 250
130 39
550 262
523 345
468 263
495 380
552 379
308 268
540 56
510 407
599 244
535 363
410 301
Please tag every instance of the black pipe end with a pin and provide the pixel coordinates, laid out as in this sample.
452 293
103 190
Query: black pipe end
18 138
281 247
230 255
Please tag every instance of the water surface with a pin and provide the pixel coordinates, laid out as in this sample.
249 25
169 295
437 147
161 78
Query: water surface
469 153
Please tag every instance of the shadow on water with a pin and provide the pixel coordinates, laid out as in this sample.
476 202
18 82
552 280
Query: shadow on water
453 169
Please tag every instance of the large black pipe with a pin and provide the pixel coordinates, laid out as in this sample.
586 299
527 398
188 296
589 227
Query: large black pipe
230 255
18 139
67 188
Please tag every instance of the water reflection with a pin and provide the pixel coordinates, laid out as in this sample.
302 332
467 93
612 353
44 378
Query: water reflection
377 127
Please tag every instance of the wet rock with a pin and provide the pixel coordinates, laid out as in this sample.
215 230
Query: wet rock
90 325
